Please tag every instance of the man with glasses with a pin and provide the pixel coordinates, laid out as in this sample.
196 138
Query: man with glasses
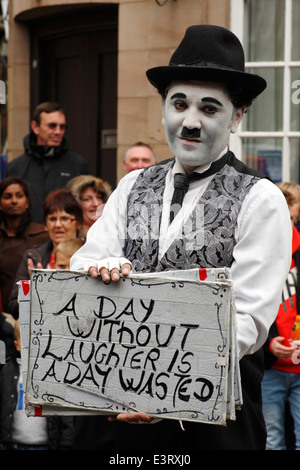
47 163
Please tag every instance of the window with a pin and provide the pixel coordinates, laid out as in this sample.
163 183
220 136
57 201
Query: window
269 137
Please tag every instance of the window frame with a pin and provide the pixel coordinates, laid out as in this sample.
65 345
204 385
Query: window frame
237 27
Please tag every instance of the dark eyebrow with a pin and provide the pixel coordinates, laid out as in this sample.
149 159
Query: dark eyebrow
178 95
211 100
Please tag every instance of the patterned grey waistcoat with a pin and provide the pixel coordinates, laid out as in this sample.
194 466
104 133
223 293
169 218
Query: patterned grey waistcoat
208 244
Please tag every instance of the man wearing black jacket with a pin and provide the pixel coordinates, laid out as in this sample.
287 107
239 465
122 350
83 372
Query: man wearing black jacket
47 163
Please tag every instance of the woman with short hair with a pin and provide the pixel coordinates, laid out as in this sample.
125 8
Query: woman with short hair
63 220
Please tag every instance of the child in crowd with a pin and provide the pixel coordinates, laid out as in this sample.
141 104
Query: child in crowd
281 381
63 252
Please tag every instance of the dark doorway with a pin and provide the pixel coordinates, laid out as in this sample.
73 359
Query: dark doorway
74 62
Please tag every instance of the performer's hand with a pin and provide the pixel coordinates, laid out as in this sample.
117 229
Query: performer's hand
110 269
114 274
137 417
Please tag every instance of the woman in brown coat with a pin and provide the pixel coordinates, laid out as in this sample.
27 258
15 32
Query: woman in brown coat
17 232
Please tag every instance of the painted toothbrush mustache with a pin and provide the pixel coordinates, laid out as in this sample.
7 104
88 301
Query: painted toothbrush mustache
190 133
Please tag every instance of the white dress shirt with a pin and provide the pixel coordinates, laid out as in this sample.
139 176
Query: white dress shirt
262 254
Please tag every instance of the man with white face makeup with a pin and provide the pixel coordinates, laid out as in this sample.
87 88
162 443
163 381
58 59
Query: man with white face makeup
205 92
198 118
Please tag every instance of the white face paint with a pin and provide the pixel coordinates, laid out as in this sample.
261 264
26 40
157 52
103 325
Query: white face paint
198 119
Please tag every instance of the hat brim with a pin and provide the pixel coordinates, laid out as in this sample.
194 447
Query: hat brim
161 77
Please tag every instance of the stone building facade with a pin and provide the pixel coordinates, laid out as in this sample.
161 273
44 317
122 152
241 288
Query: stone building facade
92 56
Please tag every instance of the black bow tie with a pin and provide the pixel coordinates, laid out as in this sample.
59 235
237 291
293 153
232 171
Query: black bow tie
182 181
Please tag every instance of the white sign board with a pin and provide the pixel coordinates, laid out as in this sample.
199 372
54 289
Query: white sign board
162 344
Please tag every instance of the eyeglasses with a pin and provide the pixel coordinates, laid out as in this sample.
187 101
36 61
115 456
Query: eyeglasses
63 220
53 125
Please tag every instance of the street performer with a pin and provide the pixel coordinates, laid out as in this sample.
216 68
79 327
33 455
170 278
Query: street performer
222 214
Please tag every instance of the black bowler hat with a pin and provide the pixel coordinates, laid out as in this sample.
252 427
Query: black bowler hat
209 53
